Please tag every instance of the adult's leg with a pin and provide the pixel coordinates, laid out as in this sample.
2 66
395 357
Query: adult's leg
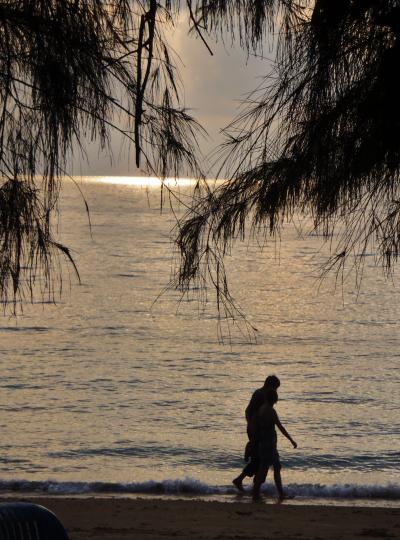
258 480
250 470
238 481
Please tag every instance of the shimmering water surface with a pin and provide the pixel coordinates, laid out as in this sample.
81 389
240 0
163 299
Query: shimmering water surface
107 387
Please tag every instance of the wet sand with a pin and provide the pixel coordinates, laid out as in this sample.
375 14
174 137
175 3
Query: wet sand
156 519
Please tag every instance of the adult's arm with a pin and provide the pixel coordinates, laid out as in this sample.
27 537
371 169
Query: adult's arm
253 406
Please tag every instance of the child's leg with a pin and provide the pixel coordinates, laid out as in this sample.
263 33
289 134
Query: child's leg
278 481
276 462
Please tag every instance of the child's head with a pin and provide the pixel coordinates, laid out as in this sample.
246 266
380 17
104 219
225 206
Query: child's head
271 396
272 381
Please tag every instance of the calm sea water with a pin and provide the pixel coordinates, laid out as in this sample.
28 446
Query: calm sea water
107 391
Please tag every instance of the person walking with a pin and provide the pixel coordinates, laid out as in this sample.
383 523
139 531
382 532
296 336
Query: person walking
258 399
265 440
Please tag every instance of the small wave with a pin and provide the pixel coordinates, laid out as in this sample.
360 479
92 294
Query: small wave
195 487
226 460
26 329
331 462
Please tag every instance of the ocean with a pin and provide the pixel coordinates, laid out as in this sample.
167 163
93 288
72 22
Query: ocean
123 386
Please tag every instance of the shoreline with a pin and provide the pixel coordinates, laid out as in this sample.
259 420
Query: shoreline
116 518
217 498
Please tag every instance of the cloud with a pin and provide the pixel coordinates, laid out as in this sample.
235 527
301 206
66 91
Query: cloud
213 87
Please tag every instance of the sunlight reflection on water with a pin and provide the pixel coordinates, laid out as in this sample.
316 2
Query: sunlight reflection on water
142 181
108 386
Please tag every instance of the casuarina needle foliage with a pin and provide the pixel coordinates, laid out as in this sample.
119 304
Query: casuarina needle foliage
319 137
71 71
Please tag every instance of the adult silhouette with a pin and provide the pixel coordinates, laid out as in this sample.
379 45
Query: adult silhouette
258 399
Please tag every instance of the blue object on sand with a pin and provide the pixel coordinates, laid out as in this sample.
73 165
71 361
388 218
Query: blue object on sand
28 521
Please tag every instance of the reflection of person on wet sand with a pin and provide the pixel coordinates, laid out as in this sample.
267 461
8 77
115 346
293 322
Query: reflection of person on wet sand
264 434
257 400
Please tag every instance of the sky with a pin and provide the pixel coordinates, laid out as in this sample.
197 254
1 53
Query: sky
213 88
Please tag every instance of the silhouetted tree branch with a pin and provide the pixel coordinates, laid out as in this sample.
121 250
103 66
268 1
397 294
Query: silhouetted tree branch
320 138
72 71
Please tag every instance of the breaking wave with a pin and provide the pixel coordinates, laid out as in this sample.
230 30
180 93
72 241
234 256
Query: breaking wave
192 486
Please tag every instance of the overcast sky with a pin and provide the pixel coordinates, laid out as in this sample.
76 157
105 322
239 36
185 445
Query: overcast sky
213 86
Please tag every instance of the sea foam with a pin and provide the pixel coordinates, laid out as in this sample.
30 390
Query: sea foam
195 487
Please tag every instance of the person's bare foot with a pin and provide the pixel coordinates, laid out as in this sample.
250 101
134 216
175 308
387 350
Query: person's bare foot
238 484
284 497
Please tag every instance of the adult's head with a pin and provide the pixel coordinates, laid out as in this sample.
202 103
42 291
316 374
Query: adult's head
273 382
271 396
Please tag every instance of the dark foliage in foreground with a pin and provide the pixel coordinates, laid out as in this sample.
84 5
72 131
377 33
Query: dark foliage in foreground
71 71
320 138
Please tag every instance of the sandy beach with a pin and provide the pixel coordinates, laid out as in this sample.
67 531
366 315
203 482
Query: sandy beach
153 519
